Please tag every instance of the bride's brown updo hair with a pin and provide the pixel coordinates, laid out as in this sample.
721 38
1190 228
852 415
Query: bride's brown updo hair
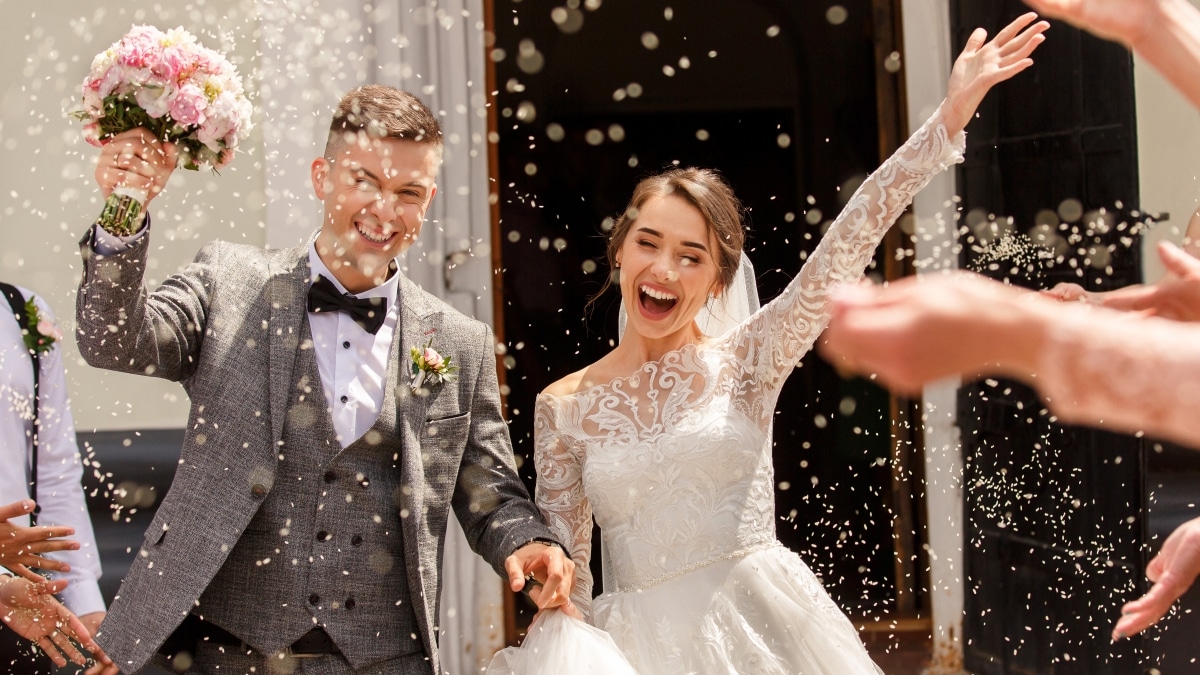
704 189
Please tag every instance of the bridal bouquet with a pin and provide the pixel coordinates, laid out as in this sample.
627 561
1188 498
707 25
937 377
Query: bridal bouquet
178 90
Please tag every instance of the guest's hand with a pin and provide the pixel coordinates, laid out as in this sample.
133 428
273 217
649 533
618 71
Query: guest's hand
1125 21
982 65
545 566
1173 570
32 612
136 159
21 547
1176 296
1067 292
919 330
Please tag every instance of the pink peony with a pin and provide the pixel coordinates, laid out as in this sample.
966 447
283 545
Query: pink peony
140 47
175 64
189 105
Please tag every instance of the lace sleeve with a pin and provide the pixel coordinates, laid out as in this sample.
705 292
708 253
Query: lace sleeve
560 496
1124 372
776 337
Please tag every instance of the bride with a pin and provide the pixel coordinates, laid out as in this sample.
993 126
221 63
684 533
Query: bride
666 439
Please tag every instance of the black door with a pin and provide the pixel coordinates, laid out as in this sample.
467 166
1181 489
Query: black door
1054 514
780 96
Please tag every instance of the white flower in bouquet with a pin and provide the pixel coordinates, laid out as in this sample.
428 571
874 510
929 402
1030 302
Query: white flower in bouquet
180 91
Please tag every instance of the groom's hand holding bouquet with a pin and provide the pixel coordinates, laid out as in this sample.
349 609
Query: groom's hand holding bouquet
152 101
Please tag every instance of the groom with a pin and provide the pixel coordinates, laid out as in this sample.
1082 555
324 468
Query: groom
304 529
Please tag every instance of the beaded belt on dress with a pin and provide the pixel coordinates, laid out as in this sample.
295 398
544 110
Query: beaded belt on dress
686 569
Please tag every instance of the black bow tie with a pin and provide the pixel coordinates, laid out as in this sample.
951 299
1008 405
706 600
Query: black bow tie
368 313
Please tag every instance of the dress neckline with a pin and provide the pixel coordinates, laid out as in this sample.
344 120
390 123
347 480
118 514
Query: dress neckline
611 384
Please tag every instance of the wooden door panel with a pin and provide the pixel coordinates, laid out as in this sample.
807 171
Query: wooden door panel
1054 514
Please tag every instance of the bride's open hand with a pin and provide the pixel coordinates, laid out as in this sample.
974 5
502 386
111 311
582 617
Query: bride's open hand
982 65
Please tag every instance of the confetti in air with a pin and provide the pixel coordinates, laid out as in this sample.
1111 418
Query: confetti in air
1017 249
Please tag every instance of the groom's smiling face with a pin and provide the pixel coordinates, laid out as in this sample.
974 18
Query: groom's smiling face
375 192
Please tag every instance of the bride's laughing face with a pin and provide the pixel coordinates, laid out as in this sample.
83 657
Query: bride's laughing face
668 267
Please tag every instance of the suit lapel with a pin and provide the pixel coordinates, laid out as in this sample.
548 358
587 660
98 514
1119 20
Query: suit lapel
419 319
289 288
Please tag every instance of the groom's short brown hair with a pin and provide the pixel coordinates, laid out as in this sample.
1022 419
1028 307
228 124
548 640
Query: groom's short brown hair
381 111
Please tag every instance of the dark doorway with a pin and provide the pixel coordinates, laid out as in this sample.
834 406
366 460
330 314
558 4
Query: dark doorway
1054 514
780 96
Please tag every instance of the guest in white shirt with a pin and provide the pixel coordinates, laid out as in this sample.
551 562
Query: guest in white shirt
63 509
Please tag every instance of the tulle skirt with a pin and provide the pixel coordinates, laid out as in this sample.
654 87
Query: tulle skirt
766 613
763 614
557 644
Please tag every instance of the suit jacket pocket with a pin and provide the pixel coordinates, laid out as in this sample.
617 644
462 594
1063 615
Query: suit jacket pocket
446 433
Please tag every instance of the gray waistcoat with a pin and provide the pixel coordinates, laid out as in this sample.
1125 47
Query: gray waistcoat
325 548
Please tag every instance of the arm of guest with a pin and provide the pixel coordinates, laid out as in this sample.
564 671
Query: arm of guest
1092 365
1166 33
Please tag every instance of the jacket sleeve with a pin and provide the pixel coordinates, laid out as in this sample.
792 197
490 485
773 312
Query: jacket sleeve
490 500
124 327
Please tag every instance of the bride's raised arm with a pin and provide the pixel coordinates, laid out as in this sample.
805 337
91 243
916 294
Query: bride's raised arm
777 337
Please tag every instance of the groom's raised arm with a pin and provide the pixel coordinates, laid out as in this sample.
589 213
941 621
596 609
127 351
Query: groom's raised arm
121 326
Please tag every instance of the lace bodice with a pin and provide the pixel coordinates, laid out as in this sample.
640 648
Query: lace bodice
675 460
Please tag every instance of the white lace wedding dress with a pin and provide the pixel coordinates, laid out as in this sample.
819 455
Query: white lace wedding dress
674 462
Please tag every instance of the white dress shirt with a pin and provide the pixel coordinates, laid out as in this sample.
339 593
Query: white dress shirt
59 493
352 362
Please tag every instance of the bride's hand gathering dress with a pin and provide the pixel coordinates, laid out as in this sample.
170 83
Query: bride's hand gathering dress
674 462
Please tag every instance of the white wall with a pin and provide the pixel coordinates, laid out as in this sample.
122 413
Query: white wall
49 196
1168 158
927 72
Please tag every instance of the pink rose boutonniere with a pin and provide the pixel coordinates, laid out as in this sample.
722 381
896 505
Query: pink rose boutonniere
42 335
430 366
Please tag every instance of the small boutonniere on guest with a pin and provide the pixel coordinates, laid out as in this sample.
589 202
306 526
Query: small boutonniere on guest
428 366
42 333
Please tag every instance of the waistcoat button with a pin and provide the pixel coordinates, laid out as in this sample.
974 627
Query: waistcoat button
258 490
314 599
350 603
356 540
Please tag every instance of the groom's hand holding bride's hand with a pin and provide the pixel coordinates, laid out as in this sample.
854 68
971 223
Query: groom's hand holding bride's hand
547 568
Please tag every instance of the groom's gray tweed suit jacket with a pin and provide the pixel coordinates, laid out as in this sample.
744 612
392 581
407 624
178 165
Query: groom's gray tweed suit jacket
227 327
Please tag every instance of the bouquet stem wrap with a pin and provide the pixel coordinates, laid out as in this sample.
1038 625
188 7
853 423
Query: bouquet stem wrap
122 213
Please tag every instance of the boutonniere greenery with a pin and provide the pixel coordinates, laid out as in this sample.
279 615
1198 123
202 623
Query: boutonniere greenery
42 333
428 366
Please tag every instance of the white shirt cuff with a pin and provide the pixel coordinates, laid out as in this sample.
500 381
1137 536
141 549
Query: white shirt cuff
82 596
106 243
